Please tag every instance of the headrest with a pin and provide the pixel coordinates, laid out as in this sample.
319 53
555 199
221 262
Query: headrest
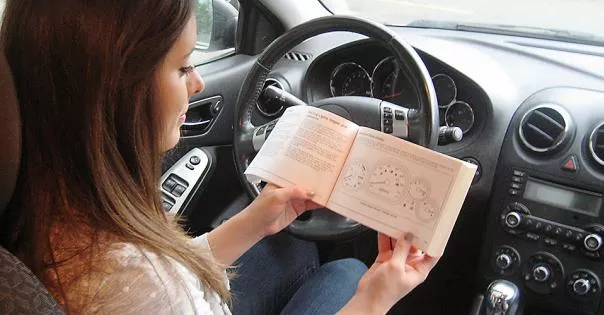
10 134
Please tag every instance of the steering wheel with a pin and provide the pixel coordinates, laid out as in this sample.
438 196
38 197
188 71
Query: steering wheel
422 122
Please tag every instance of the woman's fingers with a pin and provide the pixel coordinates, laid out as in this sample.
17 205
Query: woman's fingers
310 205
287 194
384 243
401 250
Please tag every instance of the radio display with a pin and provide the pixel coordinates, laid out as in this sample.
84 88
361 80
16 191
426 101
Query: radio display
563 197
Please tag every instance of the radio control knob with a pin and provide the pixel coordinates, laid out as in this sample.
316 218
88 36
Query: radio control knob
503 261
581 286
541 273
592 242
512 219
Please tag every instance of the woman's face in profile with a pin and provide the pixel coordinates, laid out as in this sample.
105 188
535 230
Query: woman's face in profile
176 80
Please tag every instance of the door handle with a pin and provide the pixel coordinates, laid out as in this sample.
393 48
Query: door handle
201 114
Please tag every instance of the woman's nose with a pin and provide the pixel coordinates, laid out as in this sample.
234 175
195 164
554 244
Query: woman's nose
196 84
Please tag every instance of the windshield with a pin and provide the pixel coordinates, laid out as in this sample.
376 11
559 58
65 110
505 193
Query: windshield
571 20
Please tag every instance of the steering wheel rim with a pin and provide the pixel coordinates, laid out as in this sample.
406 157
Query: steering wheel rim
422 123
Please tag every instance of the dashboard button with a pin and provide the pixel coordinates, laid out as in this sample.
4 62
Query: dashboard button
387 122
519 173
570 164
550 241
399 115
592 242
514 192
387 109
517 179
387 129
195 160
569 247
516 185
513 219
541 273
533 236
388 115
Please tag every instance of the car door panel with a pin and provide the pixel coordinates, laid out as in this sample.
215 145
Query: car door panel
219 185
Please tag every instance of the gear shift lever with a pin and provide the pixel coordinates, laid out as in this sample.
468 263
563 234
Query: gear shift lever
502 298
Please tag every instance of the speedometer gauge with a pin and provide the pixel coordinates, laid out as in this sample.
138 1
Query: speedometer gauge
388 81
350 79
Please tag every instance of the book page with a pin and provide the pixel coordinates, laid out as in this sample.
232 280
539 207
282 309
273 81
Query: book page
307 148
394 186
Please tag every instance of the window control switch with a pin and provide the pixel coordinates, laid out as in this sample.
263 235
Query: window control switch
169 184
178 190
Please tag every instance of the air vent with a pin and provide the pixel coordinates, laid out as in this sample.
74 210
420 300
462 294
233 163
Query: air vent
297 56
596 144
270 107
544 128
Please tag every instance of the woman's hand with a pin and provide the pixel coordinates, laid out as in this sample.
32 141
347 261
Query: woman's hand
397 270
275 208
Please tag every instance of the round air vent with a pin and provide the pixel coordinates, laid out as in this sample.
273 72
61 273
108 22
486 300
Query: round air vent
544 128
270 107
596 144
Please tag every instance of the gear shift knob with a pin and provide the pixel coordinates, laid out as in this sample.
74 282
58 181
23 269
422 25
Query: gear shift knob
502 298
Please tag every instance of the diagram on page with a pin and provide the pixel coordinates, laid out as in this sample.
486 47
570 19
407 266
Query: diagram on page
427 211
355 175
388 180
419 188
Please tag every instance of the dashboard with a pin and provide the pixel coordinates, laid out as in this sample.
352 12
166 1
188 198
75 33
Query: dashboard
532 115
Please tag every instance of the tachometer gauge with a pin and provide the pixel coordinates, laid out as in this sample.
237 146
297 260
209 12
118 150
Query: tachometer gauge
461 115
388 181
446 90
350 79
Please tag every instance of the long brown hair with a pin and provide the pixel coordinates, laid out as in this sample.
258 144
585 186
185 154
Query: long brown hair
91 136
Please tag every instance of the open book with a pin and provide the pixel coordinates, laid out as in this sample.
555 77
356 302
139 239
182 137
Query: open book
383 182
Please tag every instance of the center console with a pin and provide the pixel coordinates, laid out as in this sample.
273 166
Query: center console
545 227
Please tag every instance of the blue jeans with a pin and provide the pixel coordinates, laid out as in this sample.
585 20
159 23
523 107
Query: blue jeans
281 274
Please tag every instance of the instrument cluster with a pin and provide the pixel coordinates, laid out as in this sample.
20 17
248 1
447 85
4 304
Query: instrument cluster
388 82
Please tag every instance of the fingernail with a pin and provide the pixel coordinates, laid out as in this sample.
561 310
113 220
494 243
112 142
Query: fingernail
409 237
310 194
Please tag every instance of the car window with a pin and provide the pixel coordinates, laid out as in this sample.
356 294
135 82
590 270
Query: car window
216 28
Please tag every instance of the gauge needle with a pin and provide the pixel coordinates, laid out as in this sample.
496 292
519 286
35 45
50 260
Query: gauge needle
393 95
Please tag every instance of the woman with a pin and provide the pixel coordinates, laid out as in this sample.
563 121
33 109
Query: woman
103 88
